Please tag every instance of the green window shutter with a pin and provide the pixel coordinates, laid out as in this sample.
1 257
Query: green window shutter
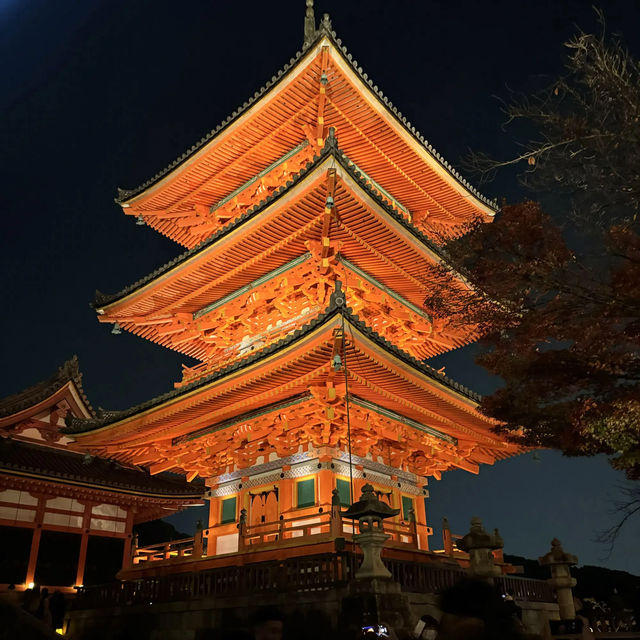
407 504
228 510
306 493
344 492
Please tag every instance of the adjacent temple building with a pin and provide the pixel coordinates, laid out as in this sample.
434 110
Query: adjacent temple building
66 518
309 220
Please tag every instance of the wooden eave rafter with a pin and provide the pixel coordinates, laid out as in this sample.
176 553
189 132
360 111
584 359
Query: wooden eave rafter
377 375
288 298
200 277
375 137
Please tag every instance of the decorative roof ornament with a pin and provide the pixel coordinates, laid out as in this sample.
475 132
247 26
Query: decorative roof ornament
309 25
325 24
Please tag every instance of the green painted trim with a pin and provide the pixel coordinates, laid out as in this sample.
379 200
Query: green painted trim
390 292
383 191
242 418
264 172
228 510
365 404
252 285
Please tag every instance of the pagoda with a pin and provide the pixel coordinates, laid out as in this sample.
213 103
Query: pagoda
311 220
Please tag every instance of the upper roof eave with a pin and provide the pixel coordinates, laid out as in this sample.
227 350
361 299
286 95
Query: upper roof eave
490 207
77 427
102 301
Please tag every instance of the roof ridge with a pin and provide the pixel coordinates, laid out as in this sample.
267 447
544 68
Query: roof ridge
69 371
325 29
337 304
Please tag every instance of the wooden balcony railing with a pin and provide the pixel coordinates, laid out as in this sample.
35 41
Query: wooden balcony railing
292 529
310 573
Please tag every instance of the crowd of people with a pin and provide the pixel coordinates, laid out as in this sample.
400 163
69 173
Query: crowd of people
471 610
47 607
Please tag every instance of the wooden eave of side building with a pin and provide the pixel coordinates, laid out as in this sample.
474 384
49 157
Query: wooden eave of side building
287 368
427 182
65 384
30 460
178 287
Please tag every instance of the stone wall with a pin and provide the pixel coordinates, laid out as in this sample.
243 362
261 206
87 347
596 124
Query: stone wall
310 615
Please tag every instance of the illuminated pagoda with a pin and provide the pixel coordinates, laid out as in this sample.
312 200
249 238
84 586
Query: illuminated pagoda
66 518
309 218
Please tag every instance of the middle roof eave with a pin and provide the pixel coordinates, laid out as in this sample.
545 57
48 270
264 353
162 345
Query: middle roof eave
104 303
445 387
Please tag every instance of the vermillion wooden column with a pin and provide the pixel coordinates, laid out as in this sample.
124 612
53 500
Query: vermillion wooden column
214 511
126 551
285 492
35 540
421 519
325 483
84 542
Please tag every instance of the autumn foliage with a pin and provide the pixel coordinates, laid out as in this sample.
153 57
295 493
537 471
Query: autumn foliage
561 330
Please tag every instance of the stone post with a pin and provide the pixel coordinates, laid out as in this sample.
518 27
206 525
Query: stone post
480 546
374 597
561 580
371 539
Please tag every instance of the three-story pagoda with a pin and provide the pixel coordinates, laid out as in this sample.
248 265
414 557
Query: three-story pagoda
309 219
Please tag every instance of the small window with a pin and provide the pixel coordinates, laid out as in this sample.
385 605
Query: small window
228 510
407 505
344 492
306 493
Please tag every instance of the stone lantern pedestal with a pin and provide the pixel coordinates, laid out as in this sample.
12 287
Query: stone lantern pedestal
374 598
480 546
561 579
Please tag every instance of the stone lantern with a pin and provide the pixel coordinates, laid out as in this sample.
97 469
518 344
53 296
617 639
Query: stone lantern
369 511
561 580
480 546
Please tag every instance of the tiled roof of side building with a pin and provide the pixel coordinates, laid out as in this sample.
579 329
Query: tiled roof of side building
55 465
68 372
81 425
325 30
330 148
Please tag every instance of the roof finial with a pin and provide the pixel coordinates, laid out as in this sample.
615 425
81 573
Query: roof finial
309 24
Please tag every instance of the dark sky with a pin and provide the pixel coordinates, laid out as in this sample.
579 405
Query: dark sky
103 93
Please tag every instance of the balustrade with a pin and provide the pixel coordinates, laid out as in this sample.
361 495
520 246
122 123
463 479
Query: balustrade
310 573
292 529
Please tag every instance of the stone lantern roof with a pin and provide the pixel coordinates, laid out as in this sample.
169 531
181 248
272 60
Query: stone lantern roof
478 538
557 555
369 506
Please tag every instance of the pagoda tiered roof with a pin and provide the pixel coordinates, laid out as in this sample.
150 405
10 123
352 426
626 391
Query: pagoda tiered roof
370 235
321 87
383 380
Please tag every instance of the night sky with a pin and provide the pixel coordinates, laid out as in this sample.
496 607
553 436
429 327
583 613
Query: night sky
100 94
